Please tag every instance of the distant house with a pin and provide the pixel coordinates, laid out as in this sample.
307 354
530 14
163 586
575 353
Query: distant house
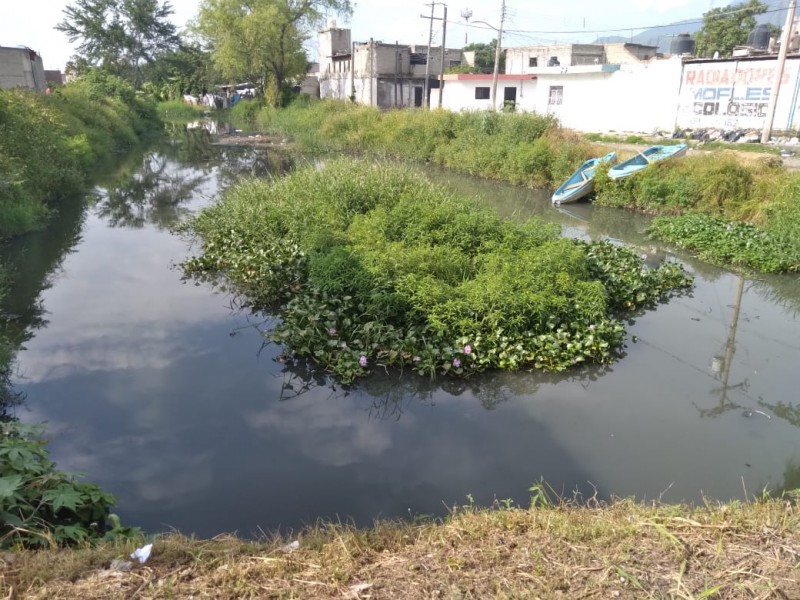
380 74
310 83
21 68
53 77
527 59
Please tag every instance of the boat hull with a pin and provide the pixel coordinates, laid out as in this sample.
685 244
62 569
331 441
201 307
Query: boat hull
645 158
581 183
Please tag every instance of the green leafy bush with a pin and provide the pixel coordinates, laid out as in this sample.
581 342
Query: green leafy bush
368 264
42 506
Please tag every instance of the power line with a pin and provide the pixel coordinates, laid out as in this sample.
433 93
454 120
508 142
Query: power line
621 29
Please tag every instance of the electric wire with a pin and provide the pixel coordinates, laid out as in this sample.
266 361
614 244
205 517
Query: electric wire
606 30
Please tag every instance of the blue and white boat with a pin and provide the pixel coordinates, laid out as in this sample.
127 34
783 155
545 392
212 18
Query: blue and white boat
581 182
644 158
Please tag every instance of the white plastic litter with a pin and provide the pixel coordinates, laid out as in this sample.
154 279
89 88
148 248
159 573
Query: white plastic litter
295 545
143 553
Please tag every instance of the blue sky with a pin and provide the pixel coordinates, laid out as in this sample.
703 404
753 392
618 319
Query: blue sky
30 22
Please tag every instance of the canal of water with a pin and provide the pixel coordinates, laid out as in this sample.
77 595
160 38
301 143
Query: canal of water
164 392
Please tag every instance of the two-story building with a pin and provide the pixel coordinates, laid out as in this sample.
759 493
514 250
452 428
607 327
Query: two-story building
380 74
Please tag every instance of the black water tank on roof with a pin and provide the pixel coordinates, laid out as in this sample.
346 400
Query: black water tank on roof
759 37
682 44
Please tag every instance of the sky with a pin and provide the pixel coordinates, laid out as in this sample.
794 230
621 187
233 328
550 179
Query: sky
30 22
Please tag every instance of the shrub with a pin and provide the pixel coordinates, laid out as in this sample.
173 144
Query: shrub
42 506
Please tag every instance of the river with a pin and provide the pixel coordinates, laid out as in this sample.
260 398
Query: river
164 392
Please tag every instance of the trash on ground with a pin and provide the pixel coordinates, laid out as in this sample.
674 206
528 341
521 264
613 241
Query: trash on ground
143 553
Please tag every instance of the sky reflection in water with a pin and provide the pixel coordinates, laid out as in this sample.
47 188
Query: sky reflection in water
159 391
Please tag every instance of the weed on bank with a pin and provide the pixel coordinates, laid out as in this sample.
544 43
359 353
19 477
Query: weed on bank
50 144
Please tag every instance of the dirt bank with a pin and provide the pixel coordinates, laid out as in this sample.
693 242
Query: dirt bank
625 550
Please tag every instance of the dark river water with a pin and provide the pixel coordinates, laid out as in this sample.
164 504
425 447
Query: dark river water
165 394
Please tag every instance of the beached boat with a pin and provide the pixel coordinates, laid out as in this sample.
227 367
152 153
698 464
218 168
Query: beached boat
644 158
581 183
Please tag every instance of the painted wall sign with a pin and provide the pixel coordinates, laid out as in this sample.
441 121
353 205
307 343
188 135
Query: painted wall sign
736 94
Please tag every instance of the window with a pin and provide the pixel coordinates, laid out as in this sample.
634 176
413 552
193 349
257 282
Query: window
556 94
533 61
455 63
481 93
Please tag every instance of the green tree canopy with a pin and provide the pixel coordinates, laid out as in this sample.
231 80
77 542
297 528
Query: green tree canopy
726 27
119 35
185 70
484 57
262 40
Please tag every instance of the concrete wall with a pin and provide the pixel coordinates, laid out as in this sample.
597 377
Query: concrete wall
20 67
641 97
735 94
332 42
626 54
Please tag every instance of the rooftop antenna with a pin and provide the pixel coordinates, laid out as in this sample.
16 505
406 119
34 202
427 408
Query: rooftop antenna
466 14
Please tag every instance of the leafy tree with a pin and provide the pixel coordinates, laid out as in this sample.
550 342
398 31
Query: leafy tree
186 70
484 57
726 27
119 35
262 40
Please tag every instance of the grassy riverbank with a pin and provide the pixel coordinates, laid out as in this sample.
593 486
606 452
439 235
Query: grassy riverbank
623 550
532 150
51 144
524 149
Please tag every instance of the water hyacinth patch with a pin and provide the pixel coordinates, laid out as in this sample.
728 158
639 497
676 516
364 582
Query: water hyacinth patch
727 243
372 265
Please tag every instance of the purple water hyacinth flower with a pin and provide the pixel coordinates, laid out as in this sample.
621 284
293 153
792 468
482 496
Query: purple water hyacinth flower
467 349
362 361
331 330
456 363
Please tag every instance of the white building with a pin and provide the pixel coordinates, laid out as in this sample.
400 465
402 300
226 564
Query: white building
632 97
602 97
474 91
21 68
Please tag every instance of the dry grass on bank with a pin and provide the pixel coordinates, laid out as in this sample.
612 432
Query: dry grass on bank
625 550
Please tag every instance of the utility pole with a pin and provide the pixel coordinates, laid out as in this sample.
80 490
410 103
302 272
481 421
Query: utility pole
497 53
466 15
773 98
441 70
430 41
428 59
